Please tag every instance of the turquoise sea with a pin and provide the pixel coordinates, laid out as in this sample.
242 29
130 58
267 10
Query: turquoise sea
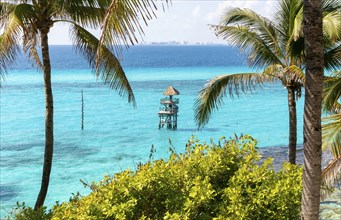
116 136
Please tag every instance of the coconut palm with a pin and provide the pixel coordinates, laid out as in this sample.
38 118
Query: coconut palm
312 131
275 46
331 129
29 23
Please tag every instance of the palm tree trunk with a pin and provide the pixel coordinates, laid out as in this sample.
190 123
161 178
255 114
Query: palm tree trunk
292 125
48 121
312 16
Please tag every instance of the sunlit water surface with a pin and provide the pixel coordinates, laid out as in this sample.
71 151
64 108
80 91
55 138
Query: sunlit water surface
117 136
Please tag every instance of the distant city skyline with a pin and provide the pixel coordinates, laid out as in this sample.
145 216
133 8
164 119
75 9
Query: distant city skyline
182 21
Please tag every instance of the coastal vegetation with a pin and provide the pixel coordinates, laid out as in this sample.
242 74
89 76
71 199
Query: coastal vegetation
331 129
226 180
277 47
28 23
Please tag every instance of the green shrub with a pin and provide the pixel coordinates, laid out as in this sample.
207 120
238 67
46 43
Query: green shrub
22 212
215 181
257 192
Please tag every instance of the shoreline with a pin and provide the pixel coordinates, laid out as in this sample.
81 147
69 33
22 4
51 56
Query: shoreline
280 155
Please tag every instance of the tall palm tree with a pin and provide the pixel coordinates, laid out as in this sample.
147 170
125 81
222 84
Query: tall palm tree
312 131
331 129
31 21
275 46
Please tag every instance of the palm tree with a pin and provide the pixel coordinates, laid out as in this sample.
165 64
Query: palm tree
31 21
312 131
331 129
277 47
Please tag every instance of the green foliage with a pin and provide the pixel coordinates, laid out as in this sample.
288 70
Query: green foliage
257 192
215 181
22 212
209 181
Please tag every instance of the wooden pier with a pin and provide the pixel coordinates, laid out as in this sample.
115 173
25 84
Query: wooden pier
168 114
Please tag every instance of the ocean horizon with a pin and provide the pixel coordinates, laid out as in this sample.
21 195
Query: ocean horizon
116 135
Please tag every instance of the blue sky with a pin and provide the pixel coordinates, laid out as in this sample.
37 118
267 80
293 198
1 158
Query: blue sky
184 20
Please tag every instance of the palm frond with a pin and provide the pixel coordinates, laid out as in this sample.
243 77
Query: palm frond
297 25
332 25
256 23
109 68
292 74
331 175
26 14
122 23
211 97
332 93
5 10
89 14
8 53
30 44
332 57
14 27
290 24
331 130
289 21
271 73
331 134
293 36
259 52
330 5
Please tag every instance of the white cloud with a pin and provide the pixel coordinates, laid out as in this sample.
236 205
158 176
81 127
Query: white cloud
184 20
196 11
265 8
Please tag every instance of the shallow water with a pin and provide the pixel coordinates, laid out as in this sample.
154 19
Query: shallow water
117 136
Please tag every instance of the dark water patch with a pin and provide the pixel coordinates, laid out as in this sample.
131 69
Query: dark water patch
137 85
8 192
65 177
125 157
22 87
57 85
186 129
20 147
124 142
20 161
157 85
84 85
210 129
74 151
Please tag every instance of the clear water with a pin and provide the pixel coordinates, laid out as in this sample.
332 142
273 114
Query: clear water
117 136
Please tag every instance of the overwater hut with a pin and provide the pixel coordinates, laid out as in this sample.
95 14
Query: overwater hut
168 114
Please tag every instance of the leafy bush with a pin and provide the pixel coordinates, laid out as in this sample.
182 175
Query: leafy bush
257 192
216 181
22 212
223 181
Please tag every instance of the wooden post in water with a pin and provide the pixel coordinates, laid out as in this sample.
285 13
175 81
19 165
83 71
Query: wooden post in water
82 111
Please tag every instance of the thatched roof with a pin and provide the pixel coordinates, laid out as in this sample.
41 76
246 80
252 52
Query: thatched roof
171 91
